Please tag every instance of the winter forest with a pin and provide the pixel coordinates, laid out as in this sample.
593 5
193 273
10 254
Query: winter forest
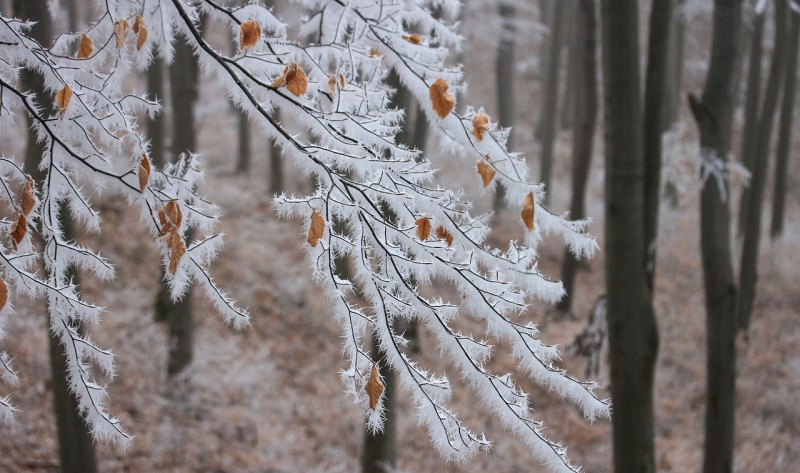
251 236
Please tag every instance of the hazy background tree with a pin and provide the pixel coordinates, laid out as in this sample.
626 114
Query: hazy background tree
504 77
548 120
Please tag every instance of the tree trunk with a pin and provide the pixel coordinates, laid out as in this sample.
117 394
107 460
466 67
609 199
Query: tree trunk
505 82
633 335
184 85
583 133
714 116
549 117
156 126
674 66
75 447
275 163
243 161
751 109
752 229
573 59
72 15
654 95
380 451
785 134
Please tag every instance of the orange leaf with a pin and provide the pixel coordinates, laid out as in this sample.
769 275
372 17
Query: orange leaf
317 228
341 81
141 36
294 78
487 173
374 387
62 100
249 34
480 125
19 231
28 198
442 101
375 52
528 208
413 38
86 47
121 27
423 228
144 172
3 294
443 234
332 83
173 211
177 248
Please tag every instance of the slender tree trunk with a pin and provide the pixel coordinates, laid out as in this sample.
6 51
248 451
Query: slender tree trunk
785 135
751 108
506 65
156 126
752 229
275 163
573 60
583 133
714 116
243 161
184 86
633 335
75 447
674 65
549 117
72 15
654 95
380 451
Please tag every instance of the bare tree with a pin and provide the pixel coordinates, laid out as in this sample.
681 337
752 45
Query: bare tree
506 65
548 119
714 115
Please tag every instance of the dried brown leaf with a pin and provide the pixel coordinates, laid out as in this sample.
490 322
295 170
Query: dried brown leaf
177 250
443 234
480 125
86 48
141 37
174 213
375 52
413 38
442 101
249 34
423 228
144 172
63 97
342 82
528 209
138 22
332 83
296 80
3 294
374 387
487 173
20 230
28 198
121 28
317 228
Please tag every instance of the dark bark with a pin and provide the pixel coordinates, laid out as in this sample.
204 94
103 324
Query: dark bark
714 116
785 134
752 229
244 156
751 109
677 35
275 163
573 64
583 133
75 446
156 126
549 117
72 15
633 335
184 88
654 95
505 82
380 451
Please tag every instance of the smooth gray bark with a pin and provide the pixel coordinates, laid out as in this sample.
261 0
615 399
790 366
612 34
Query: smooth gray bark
275 163
633 335
714 116
75 446
549 116
752 229
785 134
244 157
156 126
506 64
583 133
654 96
674 65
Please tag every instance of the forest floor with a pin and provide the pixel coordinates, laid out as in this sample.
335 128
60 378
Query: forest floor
269 398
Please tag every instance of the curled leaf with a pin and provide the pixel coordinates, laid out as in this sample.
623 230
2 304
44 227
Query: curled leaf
144 172
86 47
62 100
3 294
480 125
294 78
443 234
28 198
173 211
441 100
121 28
487 173
332 83
413 38
19 231
138 22
177 249
141 37
317 228
249 34
374 387
528 208
423 228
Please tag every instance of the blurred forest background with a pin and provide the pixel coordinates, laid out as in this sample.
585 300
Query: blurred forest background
268 398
